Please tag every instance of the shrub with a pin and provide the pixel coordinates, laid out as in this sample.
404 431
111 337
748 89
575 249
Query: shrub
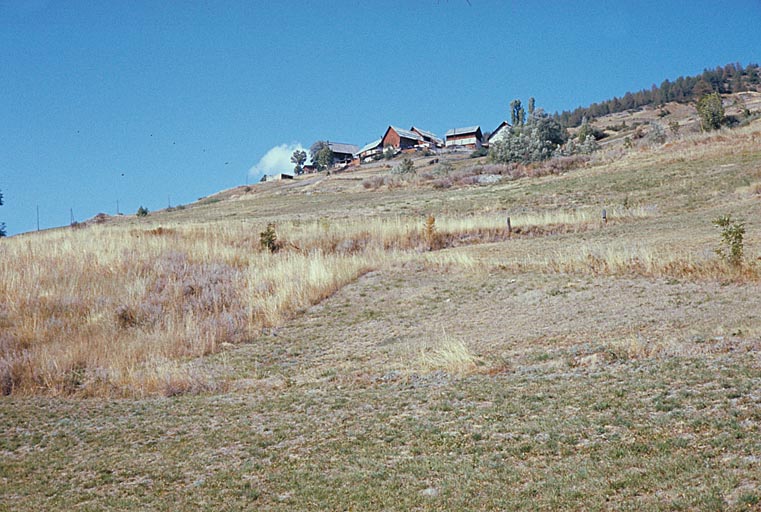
268 238
429 232
373 182
711 111
537 140
142 212
441 183
482 151
732 233
443 169
406 167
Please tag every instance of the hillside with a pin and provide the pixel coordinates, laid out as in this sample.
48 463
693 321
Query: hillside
729 79
377 360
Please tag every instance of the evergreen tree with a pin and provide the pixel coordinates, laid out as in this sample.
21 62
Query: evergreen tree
517 114
711 111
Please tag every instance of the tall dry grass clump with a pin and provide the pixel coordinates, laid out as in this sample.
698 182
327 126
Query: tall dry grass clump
448 354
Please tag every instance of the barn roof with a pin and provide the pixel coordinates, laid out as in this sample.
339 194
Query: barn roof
428 134
463 131
374 144
407 134
339 147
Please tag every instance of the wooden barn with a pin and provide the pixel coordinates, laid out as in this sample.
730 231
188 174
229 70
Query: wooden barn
371 150
432 140
402 139
343 153
469 137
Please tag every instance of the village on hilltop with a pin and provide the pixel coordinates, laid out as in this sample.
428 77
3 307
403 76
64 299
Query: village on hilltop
396 140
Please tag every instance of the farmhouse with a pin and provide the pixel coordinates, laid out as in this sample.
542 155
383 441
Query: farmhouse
402 139
469 137
429 138
499 133
342 153
370 150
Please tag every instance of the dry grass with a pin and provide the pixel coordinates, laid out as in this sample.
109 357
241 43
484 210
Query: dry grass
111 311
622 258
448 354
128 307
118 310
582 366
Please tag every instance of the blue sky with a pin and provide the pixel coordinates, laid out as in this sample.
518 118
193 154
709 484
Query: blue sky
146 102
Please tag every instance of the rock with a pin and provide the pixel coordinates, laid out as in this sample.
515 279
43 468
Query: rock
430 492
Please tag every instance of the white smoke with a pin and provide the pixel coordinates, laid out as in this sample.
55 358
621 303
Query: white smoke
276 160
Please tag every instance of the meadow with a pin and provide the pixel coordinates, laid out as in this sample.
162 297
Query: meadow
382 360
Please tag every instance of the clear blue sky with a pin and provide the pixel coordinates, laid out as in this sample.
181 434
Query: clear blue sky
146 101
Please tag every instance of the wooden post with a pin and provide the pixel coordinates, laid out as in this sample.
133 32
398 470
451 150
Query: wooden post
509 226
604 216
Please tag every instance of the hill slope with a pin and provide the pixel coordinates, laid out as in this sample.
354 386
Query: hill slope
370 363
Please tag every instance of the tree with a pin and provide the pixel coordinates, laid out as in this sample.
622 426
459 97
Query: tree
324 158
299 157
316 147
711 111
517 114
322 155
531 106
702 88
537 140
585 131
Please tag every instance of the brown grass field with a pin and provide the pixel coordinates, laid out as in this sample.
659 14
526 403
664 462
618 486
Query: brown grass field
376 363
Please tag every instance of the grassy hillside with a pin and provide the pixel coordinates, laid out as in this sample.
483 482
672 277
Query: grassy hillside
376 361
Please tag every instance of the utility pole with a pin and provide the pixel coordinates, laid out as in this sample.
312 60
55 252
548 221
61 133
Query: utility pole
38 217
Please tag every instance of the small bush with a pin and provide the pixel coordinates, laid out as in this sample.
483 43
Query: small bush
482 151
442 183
443 169
142 212
406 167
429 232
732 234
374 182
268 238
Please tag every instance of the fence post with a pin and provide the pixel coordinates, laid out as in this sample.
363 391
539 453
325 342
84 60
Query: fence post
604 216
509 226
